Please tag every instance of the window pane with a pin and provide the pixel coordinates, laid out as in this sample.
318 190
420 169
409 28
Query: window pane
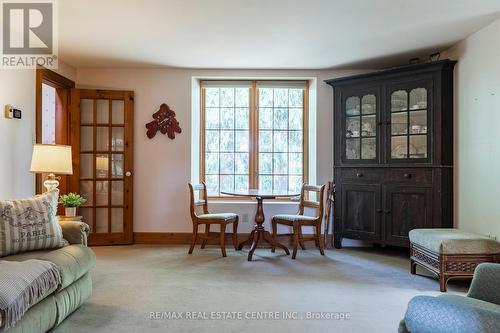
280 141
295 141
241 141
280 183
280 97
266 97
242 97
227 97
241 163
266 163
227 163
295 119
266 183
294 183
280 163
241 118
211 97
212 163
227 123
280 118
227 118
211 140
265 118
295 97
295 163
265 141
241 183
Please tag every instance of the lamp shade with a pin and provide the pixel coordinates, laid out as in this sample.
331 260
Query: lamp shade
52 159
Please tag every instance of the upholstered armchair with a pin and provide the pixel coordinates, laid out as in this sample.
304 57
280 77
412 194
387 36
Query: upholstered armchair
478 312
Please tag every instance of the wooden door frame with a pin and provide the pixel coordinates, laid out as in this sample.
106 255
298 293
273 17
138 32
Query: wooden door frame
74 139
63 87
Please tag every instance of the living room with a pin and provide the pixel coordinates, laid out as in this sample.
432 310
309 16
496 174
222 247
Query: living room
344 150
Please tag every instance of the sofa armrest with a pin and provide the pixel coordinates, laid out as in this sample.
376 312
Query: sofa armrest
451 314
75 232
486 283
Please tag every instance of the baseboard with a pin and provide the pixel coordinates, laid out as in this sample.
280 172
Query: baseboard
184 238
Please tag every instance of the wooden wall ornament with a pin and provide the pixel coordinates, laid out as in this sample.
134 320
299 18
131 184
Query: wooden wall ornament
165 122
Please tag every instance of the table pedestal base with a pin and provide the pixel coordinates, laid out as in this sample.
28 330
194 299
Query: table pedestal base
259 232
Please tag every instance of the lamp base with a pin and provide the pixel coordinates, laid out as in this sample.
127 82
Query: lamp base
52 182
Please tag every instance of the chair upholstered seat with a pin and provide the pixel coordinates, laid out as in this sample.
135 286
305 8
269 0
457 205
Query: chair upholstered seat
293 218
219 216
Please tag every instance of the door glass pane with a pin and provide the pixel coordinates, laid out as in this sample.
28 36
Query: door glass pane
117 220
118 112
352 149
101 193
399 123
418 146
86 166
399 101
117 193
418 98
399 147
117 166
368 149
86 111
418 122
102 111
352 106
369 104
88 216
352 127
101 166
86 138
101 218
102 143
368 126
87 191
117 139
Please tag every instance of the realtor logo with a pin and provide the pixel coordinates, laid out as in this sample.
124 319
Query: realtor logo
28 32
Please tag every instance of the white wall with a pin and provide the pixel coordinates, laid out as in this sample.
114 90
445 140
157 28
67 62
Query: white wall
162 167
17 88
477 131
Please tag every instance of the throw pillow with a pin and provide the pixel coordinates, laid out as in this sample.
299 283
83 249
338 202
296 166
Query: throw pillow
29 224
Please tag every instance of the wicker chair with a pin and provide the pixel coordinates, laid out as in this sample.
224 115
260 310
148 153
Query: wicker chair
222 219
299 220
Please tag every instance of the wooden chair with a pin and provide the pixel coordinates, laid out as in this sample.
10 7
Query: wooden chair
299 220
223 219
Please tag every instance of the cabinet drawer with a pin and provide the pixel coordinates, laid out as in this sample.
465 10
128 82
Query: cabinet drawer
416 176
362 174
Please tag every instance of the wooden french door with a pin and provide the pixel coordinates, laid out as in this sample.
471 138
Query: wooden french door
102 141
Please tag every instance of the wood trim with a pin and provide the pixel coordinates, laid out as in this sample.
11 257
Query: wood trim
305 135
63 87
184 238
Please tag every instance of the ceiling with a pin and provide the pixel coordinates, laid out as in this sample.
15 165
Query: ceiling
291 34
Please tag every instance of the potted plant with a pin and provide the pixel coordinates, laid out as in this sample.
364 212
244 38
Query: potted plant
71 202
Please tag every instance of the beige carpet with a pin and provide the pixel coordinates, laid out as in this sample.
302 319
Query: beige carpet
371 285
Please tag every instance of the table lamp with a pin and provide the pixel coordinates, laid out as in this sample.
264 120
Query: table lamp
51 159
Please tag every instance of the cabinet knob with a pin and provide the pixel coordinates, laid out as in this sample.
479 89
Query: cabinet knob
387 211
359 175
407 175
379 211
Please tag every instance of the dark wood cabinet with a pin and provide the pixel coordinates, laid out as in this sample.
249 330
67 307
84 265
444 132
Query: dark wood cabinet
393 152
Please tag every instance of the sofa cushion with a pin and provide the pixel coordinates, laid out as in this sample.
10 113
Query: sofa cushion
29 224
453 241
73 261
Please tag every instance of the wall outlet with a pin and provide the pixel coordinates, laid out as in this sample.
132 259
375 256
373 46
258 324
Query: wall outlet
244 218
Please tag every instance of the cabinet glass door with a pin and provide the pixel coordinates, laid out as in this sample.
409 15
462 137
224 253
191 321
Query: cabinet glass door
409 125
361 127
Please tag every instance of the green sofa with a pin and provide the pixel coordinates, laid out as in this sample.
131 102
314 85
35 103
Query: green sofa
75 261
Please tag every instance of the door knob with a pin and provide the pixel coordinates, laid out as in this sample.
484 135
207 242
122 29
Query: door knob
128 173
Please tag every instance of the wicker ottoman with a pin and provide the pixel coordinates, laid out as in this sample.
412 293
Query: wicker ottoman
450 253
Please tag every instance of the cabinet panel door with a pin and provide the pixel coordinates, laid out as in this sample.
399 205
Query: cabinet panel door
406 208
358 125
361 211
409 115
